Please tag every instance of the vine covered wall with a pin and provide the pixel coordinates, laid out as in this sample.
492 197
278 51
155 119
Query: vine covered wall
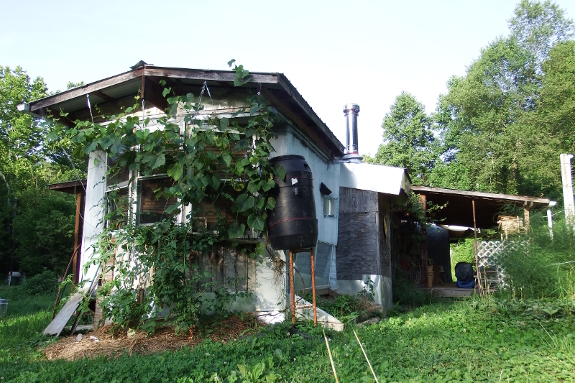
178 183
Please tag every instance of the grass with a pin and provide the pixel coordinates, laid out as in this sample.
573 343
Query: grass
486 339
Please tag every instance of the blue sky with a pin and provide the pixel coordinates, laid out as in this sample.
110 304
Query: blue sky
334 52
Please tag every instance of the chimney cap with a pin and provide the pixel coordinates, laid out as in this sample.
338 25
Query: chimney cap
351 106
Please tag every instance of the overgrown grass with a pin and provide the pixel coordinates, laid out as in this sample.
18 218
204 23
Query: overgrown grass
482 339
21 329
538 266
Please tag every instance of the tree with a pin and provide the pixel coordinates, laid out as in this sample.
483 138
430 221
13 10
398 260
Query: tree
35 224
538 27
407 138
488 120
552 124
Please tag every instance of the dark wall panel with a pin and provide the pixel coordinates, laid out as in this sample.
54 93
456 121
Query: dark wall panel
357 248
357 201
438 249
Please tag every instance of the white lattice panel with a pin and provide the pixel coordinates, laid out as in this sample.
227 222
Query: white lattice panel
489 254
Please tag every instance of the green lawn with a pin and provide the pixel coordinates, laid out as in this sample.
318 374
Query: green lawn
477 340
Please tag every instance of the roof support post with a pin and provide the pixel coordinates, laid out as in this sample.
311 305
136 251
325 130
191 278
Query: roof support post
475 248
77 238
423 243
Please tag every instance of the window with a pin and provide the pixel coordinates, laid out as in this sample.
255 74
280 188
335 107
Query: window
152 207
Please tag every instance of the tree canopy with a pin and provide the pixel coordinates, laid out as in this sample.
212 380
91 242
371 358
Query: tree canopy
36 225
500 127
407 138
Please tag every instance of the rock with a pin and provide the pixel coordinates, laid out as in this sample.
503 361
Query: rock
94 338
368 322
79 337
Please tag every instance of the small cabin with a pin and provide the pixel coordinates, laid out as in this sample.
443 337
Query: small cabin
352 199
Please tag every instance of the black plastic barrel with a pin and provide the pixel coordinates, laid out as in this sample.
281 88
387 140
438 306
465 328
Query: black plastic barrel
292 224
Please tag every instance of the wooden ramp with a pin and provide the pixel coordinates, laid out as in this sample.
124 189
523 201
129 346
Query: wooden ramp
449 290
57 325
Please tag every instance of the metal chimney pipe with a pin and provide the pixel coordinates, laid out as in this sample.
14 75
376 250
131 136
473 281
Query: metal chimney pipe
350 112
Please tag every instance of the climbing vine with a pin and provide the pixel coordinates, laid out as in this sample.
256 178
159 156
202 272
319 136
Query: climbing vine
217 164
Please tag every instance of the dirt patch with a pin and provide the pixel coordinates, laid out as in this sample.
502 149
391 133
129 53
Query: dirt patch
102 342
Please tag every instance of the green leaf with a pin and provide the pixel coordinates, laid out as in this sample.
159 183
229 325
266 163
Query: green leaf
236 230
176 171
216 181
258 370
224 124
271 203
260 203
280 172
256 222
244 202
172 208
91 147
253 186
53 135
160 161
268 185
166 91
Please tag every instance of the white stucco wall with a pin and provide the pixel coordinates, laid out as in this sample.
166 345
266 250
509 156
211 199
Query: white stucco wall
93 213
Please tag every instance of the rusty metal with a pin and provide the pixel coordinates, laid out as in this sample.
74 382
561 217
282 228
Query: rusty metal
291 287
313 288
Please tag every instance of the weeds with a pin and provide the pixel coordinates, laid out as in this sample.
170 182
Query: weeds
480 339
543 267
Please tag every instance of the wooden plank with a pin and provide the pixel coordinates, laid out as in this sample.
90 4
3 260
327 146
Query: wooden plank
71 187
77 238
57 325
208 75
153 95
84 90
102 95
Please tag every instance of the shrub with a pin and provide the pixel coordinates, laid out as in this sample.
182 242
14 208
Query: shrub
406 293
44 283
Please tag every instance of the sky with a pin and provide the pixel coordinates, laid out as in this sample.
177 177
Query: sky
334 52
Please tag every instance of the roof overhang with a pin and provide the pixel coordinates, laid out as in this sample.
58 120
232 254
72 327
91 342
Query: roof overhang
69 187
378 178
458 209
113 93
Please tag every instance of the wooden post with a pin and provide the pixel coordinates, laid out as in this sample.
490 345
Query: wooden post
77 238
291 287
475 248
313 288
423 244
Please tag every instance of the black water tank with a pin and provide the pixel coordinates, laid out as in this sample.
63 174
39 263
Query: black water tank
292 224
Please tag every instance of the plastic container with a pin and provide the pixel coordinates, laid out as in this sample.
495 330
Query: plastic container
3 307
293 224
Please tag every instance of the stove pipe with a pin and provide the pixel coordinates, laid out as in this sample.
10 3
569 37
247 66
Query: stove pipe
351 148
